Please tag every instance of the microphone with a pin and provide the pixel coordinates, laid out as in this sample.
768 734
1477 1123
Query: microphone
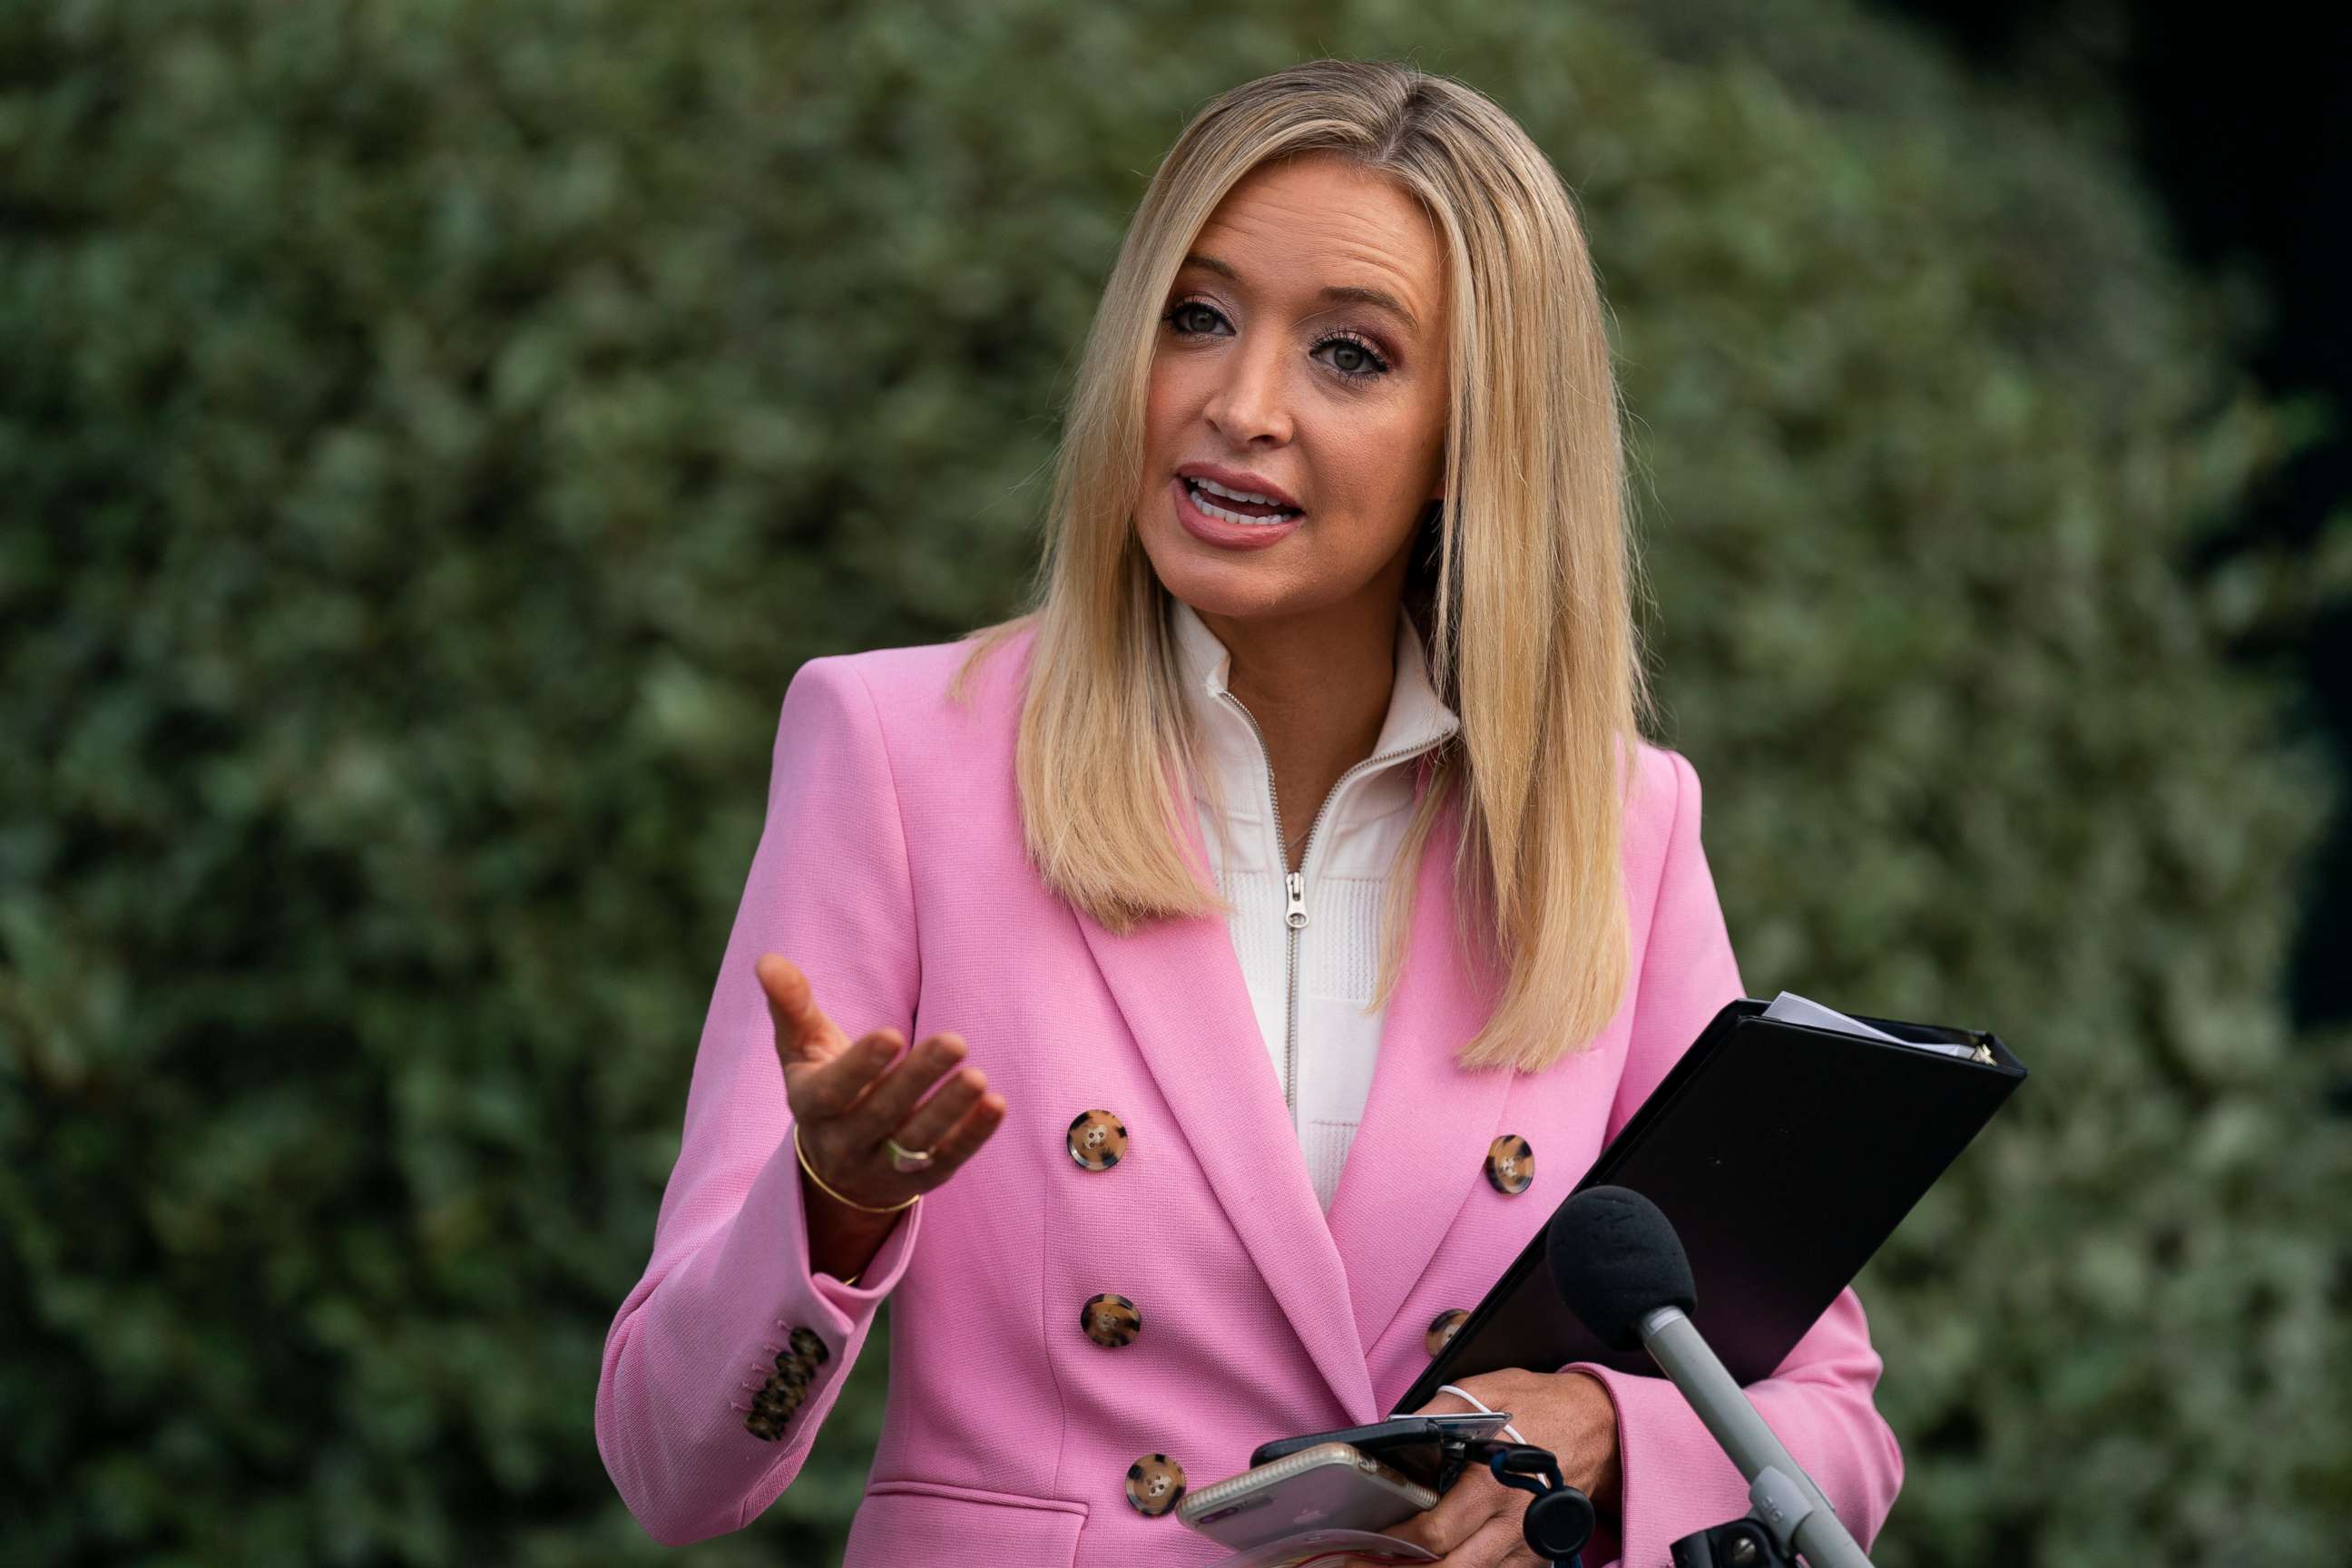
1621 1269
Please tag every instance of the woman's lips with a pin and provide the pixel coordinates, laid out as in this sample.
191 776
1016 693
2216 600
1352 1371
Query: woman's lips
1226 535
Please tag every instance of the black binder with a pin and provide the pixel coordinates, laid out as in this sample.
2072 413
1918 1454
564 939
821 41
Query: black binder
1785 1156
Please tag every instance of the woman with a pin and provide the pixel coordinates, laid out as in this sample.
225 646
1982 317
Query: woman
1256 1102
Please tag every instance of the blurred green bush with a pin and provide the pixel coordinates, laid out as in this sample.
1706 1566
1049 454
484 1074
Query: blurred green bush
432 434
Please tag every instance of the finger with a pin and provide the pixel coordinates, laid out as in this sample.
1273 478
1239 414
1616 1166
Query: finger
1456 1516
936 1117
1497 1542
824 1091
1501 1543
803 1034
890 1098
962 1141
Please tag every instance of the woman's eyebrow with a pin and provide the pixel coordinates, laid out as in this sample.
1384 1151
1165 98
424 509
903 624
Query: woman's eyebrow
1344 293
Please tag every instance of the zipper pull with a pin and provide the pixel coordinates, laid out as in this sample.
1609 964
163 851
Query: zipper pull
1295 881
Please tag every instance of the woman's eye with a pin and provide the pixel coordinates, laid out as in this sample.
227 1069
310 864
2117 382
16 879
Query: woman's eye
1364 364
1353 359
1183 311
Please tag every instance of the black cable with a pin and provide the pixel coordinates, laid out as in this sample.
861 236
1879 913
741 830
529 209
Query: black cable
1559 1520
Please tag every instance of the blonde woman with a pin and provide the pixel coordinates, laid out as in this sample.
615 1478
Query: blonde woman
1286 910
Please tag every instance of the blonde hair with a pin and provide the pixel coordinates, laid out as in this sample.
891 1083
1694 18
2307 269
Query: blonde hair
1523 598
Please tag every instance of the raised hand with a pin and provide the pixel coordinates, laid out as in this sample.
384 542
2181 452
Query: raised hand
847 1096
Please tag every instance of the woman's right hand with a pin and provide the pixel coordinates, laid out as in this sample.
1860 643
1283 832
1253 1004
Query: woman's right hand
848 1096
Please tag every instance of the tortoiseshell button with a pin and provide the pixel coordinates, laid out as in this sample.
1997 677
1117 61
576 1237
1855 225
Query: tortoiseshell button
1154 1484
1098 1139
777 1404
791 1372
810 1346
1442 1327
1510 1163
766 1428
1110 1321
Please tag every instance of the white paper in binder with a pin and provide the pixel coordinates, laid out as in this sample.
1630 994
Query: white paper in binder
1791 1008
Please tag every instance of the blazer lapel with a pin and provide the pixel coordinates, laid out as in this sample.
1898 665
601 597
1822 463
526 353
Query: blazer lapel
1421 1150
1179 985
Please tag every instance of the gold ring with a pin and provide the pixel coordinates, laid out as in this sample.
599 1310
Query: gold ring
905 1159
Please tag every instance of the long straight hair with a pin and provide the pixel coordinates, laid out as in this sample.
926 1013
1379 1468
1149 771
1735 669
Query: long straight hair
1522 584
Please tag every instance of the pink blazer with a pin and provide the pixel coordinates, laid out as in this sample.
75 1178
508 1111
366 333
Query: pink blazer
891 869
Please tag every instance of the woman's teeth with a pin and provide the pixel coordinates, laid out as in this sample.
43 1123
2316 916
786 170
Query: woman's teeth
1203 490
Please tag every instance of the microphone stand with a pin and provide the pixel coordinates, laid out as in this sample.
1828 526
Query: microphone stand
1614 1254
1742 1543
1788 1514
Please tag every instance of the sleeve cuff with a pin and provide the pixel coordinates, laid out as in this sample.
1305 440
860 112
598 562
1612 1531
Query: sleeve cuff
878 1276
776 1210
1672 1479
764 1279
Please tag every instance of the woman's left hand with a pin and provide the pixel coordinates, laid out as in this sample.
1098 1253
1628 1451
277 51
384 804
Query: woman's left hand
1477 1524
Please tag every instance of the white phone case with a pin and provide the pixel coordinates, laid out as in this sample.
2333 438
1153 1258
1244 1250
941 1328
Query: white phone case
1328 1487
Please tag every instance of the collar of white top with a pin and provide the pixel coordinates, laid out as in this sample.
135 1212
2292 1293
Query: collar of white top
1417 718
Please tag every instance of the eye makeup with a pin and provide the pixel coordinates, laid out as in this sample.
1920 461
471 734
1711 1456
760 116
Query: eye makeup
1379 361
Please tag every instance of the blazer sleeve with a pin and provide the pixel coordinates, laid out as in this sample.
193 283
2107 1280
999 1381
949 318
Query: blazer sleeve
1674 1478
730 1280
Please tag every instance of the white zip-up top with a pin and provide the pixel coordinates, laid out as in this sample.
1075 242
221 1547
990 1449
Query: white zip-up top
1309 941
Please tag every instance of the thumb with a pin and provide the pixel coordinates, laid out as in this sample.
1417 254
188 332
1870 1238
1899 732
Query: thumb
803 1034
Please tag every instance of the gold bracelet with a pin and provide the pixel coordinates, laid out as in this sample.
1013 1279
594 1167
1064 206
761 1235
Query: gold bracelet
836 1198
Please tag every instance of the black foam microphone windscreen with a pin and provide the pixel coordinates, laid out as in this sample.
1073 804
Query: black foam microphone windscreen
1615 1259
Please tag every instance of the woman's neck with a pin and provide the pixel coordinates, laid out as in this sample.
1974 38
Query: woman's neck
1318 686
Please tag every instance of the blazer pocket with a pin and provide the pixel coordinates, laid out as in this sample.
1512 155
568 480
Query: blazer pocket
934 1524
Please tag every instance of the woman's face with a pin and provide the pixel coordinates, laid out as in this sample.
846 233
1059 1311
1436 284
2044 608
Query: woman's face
1280 365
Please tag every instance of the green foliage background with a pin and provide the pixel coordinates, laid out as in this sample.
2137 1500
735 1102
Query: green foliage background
431 434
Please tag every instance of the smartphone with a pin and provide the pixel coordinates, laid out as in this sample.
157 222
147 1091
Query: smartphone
1428 1450
1328 1485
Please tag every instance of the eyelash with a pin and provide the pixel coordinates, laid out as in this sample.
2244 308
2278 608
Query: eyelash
1379 359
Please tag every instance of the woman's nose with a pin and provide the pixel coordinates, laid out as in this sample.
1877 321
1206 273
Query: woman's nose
1254 398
